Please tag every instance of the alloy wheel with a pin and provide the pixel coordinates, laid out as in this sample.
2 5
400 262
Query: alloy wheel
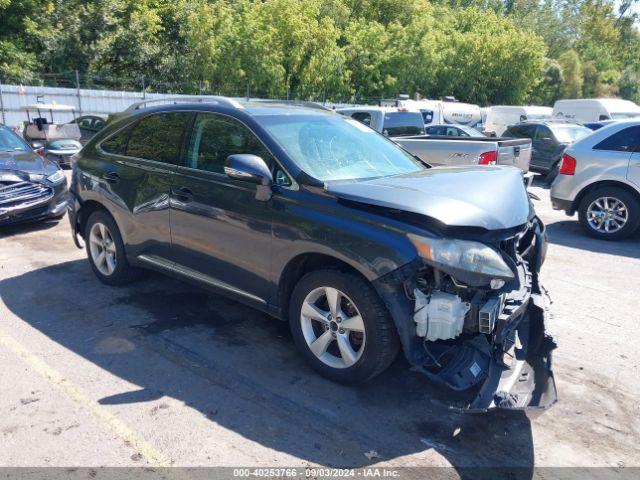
332 327
102 248
607 215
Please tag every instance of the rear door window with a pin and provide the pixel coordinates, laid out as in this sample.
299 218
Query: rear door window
516 132
543 133
626 140
158 137
523 131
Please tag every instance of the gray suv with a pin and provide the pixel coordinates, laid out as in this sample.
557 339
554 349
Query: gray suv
317 220
600 179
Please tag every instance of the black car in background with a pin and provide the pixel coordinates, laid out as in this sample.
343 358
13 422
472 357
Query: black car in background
89 125
446 130
318 220
549 140
31 187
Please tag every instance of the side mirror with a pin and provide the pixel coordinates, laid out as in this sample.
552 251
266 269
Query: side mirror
252 169
37 145
249 168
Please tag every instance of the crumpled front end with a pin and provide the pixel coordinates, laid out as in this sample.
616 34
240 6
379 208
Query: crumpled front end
491 341
25 201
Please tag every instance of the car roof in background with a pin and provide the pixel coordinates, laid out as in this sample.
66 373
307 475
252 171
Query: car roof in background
547 122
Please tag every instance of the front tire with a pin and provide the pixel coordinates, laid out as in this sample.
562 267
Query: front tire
342 327
609 213
105 250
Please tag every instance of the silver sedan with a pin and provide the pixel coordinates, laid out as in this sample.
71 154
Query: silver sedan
600 179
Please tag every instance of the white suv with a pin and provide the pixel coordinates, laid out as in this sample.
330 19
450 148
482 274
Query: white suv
600 179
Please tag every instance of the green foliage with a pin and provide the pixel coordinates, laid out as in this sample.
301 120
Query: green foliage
484 51
488 59
572 72
550 87
630 84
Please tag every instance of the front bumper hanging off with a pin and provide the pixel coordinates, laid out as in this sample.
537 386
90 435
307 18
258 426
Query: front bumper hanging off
508 369
521 377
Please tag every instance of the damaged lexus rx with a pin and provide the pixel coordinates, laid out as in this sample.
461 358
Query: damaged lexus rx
31 187
320 221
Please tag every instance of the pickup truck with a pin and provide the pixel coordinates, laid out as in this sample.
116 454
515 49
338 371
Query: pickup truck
406 128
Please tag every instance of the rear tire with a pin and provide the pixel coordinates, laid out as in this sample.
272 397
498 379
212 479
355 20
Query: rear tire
105 250
611 206
355 339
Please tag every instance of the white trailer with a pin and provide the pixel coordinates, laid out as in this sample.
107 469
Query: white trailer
499 117
439 112
595 109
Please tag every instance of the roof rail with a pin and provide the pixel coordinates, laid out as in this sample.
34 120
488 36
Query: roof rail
227 102
298 103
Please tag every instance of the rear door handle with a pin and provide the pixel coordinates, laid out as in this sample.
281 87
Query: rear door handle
111 177
183 193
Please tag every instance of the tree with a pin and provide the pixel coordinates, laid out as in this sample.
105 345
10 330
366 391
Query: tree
630 84
550 87
572 71
487 59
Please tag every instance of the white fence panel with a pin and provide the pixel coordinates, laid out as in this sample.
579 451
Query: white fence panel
88 101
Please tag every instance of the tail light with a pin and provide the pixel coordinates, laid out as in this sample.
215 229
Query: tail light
488 158
40 151
568 165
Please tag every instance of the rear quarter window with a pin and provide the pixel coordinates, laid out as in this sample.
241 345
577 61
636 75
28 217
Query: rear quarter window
626 140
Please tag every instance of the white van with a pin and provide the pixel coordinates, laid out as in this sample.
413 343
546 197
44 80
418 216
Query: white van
595 109
500 117
439 112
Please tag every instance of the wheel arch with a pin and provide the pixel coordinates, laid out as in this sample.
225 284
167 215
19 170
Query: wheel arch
601 185
300 265
89 207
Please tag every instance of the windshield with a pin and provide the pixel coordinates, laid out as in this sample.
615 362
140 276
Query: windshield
403 123
332 147
619 115
569 133
10 142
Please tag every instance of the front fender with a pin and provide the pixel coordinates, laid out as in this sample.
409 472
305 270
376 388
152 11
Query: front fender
303 224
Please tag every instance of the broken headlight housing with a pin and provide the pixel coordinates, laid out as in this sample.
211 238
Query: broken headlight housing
473 263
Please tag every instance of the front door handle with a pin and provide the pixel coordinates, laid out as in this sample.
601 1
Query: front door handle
111 177
183 194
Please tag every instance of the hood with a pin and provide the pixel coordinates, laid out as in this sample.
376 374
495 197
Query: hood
29 162
493 198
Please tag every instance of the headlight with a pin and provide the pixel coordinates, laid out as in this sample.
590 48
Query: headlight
35 177
56 177
463 255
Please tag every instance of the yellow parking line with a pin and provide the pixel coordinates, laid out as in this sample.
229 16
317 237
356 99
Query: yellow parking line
140 445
